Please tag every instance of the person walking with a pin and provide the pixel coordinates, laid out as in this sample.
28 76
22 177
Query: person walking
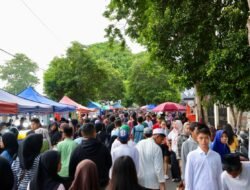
86 176
124 175
6 175
94 150
25 165
46 176
137 131
10 146
236 174
65 148
189 145
203 168
151 174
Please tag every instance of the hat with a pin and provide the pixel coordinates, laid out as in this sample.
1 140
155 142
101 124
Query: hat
123 135
126 127
147 131
159 131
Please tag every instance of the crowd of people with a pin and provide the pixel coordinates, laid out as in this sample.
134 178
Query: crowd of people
122 151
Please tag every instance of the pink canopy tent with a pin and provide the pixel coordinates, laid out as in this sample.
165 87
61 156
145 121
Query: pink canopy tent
169 106
79 107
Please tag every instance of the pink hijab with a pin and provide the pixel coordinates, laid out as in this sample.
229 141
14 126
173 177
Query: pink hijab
86 176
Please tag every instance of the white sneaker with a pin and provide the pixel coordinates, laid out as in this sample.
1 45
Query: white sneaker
166 177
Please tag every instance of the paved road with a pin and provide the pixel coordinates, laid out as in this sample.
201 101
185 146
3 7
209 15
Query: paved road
171 185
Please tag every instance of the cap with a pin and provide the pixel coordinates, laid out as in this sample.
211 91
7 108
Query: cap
147 131
123 135
126 127
159 131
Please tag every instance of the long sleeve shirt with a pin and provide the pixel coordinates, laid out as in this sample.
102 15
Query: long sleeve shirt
188 146
150 173
241 182
203 170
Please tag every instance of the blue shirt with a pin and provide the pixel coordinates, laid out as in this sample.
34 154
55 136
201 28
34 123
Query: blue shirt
138 132
7 156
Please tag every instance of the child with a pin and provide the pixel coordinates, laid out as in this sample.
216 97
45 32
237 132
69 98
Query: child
203 168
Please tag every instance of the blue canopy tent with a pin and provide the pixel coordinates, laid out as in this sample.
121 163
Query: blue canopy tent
94 105
30 94
24 105
117 105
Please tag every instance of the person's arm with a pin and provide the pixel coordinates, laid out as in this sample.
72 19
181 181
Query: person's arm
158 165
183 159
223 182
162 186
179 143
189 174
219 170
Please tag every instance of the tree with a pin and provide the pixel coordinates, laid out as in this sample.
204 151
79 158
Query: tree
149 83
119 58
182 35
19 73
77 75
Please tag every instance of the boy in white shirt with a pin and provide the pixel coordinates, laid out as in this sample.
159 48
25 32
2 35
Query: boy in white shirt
203 168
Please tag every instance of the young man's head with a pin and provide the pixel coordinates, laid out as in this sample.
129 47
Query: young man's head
193 130
118 122
67 130
140 119
88 131
158 135
232 164
35 123
203 137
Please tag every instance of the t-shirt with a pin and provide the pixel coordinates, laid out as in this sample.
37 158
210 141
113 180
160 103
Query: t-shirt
137 132
234 145
242 182
65 148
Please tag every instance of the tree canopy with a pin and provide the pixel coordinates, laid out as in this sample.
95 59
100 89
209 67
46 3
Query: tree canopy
195 41
82 78
19 73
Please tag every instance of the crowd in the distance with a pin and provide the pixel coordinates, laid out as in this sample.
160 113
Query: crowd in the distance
122 151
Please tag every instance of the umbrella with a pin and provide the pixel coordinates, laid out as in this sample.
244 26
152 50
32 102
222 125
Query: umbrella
169 106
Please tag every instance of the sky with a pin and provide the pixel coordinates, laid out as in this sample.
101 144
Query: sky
44 29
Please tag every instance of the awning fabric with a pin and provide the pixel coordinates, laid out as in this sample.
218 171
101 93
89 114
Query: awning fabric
24 105
79 107
30 94
8 108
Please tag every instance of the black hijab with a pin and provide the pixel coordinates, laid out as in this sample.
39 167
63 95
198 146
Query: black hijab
29 149
46 176
6 175
10 144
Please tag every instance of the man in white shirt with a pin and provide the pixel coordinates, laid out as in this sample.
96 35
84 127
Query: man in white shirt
203 168
236 175
151 174
124 150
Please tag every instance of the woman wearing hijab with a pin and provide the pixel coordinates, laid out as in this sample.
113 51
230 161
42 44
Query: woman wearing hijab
24 167
10 146
54 133
124 175
219 144
46 176
86 176
6 175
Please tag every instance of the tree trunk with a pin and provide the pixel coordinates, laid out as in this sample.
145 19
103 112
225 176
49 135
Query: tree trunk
248 23
239 117
200 114
205 114
234 116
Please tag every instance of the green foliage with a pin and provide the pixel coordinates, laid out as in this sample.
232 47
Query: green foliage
202 43
19 73
80 77
150 83
118 58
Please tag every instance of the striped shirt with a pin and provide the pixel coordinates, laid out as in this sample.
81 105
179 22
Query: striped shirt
26 175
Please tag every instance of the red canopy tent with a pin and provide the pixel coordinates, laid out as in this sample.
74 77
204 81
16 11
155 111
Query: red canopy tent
169 106
79 107
8 108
